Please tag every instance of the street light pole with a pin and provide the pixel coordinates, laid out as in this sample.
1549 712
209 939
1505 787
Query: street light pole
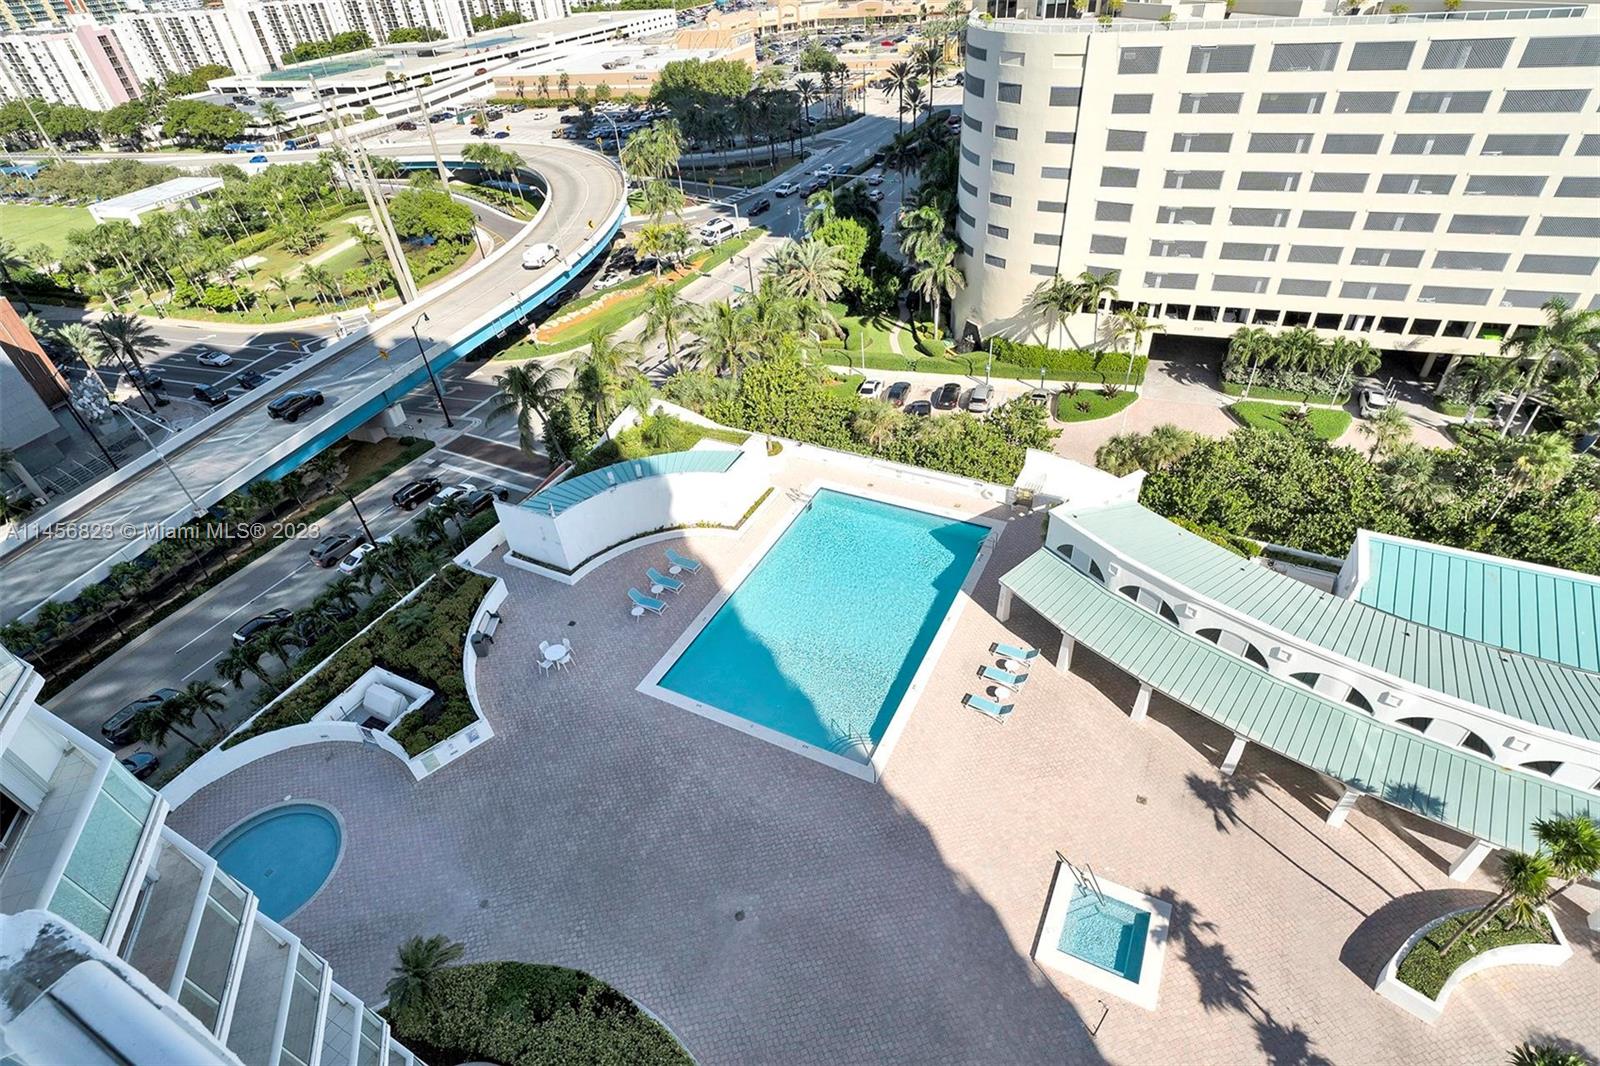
357 509
429 367
129 413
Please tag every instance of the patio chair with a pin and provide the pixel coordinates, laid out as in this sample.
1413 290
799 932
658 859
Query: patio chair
649 603
1009 680
671 584
1011 651
682 562
989 707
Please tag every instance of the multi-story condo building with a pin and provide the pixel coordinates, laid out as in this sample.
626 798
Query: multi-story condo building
83 64
18 15
1426 180
123 942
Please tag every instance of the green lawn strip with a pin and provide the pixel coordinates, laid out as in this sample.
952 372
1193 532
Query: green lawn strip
625 310
847 385
1457 410
1326 423
26 225
1425 970
1257 392
519 1012
1087 405
677 436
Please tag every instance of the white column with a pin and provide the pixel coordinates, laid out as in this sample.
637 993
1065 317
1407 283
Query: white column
1230 761
1003 610
1594 919
1469 860
1342 809
1064 656
1141 703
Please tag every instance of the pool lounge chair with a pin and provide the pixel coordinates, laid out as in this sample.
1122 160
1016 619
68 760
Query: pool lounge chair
988 707
682 560
671 584
649 603
994 673
1010 651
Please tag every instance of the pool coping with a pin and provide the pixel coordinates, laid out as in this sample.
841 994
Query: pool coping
288 801
1142 993
873 769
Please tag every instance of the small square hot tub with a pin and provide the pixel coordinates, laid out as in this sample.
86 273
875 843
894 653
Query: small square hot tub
1105 935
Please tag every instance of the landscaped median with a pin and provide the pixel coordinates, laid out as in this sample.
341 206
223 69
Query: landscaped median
1421 977
1326 422
868 342
1082 405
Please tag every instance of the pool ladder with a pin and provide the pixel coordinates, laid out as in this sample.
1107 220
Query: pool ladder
1084 876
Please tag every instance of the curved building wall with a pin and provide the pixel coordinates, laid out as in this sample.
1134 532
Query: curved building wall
1426 182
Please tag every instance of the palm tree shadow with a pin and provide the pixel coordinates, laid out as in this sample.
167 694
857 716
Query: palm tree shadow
1221 796
1286 1044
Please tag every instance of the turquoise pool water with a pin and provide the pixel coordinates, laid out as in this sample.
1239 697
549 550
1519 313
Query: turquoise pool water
821 639
1107 933
282 855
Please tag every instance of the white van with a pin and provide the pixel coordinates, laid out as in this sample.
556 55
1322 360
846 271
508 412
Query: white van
716 230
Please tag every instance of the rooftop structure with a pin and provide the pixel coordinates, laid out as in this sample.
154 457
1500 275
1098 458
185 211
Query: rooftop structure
625 66
1424 180
132 206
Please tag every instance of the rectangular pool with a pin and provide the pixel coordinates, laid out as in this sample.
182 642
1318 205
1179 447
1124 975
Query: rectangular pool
822 640
1107 933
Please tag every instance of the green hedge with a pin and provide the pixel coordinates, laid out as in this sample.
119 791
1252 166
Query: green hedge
522 1014
431 657
1260 392
1070 364
1425 970
1326 423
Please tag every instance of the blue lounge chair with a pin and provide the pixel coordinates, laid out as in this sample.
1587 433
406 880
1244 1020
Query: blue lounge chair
1010 651
988 707
649 603
682 560
671 584
994 673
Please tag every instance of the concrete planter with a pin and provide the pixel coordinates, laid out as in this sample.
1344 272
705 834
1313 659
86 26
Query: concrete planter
1390 986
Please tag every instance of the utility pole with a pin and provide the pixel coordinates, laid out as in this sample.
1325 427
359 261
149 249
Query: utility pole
49 142
433 141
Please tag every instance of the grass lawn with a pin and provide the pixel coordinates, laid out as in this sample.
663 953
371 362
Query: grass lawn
847 385
742 177
26 225
656 435
1425 970
1088 405
1282 417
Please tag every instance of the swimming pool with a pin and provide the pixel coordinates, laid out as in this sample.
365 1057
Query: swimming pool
1105 932
822 640
283 855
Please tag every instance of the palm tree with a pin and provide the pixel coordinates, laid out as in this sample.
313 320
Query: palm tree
1565 334
666 316
528 393
937 277
1531 1054
1523 879
896 80
1388 431
205 697
1541 462
819 209
806 89
1097 287
1054 301
661 242
723 344
239 660
10 260
810 270
277 642
920 228
420 962
154 723
598 385
875 423
281 283
276 118
1573 844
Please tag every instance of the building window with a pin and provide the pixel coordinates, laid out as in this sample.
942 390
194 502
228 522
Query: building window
1327 219
1500 225
1063 95
1315 253
1447 260
1381 55
1138 60
1193 179
1290 103
1106 211
1011 93
999 199
1386 257
1524 143
1581 265
1119 177
1201 142
1209 103
1165 280
1351 143
1567 226
1453 294
1104 244
1302 57
1177 249
1269 181
974 86
1184 216
1000 166
1220 59
1561 52
1280 143
1261 216
1339 181
1401 221
1006 133
1302 287
994 261
1447 103
1431 143
1055 173
1054 207
1049 240
1578 187
1124 140
1544 101
1365 103
1238 283
998 231
1259 253
1128 103
1427 184
1483 53
972 124
1506 184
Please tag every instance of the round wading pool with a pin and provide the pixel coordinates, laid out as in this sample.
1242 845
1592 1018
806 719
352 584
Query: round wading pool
284 855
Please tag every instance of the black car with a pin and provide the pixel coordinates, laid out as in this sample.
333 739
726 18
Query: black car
760 207
897 393
150 379
122 727
948 398
250 379
291 405
278 616
407 125
814 185
215 395
409 495
919 408
335 546
141 764
475 502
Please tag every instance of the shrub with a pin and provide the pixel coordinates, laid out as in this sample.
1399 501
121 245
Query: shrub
1101 366
226 298
1425 970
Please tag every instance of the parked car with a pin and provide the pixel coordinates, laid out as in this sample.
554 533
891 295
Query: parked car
501 135
406 125
408 496
291 405
979 399
760 207
250 379
352 562
1040 398
1373 400
876 196
258 159
539 255
919 408
122 727
278 616
715 230
869 388
787 188
482 499
897 393
948 398
478 131
452 492
609 279
211 357
215 395
335 546
150 379
141 764
826 170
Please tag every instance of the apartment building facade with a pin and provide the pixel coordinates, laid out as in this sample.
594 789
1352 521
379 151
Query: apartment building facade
83 64
124 942
1426 180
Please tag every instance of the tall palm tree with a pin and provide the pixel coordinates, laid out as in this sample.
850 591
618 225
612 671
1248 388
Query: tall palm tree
1540 462
896 80
11 260
419 963
1573 844
276 118
806 89
819 209
239 660
667 317
937 276
281 283
875 423
1388 431
1095 288
1523 881
1565 334
529 392
810 270
1054 301
1131 324
723 344
153 724
277 642
206 698
920 228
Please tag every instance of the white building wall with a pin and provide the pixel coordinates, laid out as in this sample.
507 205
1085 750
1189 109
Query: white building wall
51 66
1429 178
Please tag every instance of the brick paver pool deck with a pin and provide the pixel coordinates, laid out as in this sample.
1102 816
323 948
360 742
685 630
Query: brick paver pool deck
773 910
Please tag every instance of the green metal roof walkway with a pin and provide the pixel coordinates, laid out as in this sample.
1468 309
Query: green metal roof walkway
1390 763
